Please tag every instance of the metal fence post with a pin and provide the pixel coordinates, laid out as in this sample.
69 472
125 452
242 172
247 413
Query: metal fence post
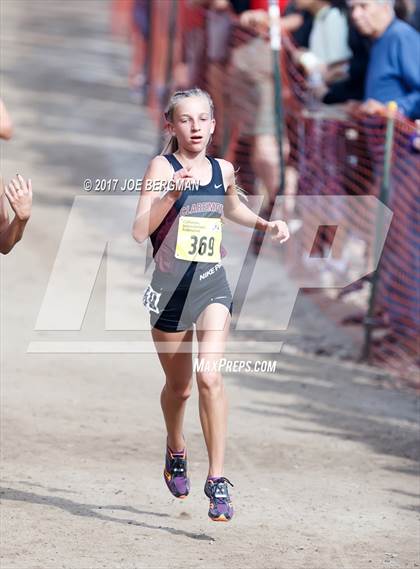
384 198
275 43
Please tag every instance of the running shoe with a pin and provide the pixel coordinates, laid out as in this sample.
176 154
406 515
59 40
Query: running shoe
175 473
221 509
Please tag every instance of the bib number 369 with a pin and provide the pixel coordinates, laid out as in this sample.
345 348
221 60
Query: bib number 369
199 239
201 247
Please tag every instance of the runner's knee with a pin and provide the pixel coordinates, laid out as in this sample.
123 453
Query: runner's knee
179 390
209 383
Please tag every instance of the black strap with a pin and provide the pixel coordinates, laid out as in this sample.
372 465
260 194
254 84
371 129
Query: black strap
174 162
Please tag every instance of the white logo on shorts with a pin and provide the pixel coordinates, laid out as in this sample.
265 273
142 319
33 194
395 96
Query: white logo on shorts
210 271
151 299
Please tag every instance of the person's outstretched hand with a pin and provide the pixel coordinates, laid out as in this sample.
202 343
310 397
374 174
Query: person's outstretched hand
279 230
19 194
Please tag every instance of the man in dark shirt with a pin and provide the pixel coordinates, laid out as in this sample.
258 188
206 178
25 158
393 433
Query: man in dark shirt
352 87
393 72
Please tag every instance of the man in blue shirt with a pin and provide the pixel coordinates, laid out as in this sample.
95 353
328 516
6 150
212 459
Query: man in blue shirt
394 66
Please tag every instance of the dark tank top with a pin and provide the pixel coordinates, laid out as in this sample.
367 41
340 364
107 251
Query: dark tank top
202 201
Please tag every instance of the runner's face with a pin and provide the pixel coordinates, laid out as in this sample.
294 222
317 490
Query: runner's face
193 124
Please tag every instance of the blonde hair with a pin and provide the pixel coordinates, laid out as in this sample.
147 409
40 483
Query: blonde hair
178 96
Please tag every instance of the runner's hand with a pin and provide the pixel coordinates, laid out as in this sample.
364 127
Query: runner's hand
180 181
279 230
19 194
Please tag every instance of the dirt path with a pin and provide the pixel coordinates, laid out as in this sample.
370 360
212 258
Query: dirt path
323 455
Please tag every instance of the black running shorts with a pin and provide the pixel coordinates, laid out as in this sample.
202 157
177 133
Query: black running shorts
175 308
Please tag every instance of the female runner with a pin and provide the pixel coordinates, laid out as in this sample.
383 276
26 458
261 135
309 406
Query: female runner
189 285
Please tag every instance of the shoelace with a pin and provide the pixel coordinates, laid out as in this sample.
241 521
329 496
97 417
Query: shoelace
178 466
219 489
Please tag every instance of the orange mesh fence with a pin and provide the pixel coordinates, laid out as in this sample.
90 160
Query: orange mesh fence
329 151
345 155
398 294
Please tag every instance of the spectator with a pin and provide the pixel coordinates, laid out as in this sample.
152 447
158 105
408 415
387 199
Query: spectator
394 75
328 40
252 95
218 34
409 11
300 35
393 72
254 15
352 86
18 193
140 35
190 59
6 125
414 16
252 111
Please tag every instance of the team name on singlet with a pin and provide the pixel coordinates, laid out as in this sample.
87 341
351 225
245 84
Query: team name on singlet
202 207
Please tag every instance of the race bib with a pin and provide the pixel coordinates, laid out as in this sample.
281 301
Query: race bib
151 299
199 239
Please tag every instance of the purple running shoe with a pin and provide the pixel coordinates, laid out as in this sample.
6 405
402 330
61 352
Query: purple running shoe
175 473
216 489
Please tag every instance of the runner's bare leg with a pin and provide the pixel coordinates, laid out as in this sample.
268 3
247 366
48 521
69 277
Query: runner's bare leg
177 366
212 331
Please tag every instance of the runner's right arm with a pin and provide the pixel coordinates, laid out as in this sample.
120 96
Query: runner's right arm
155 201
